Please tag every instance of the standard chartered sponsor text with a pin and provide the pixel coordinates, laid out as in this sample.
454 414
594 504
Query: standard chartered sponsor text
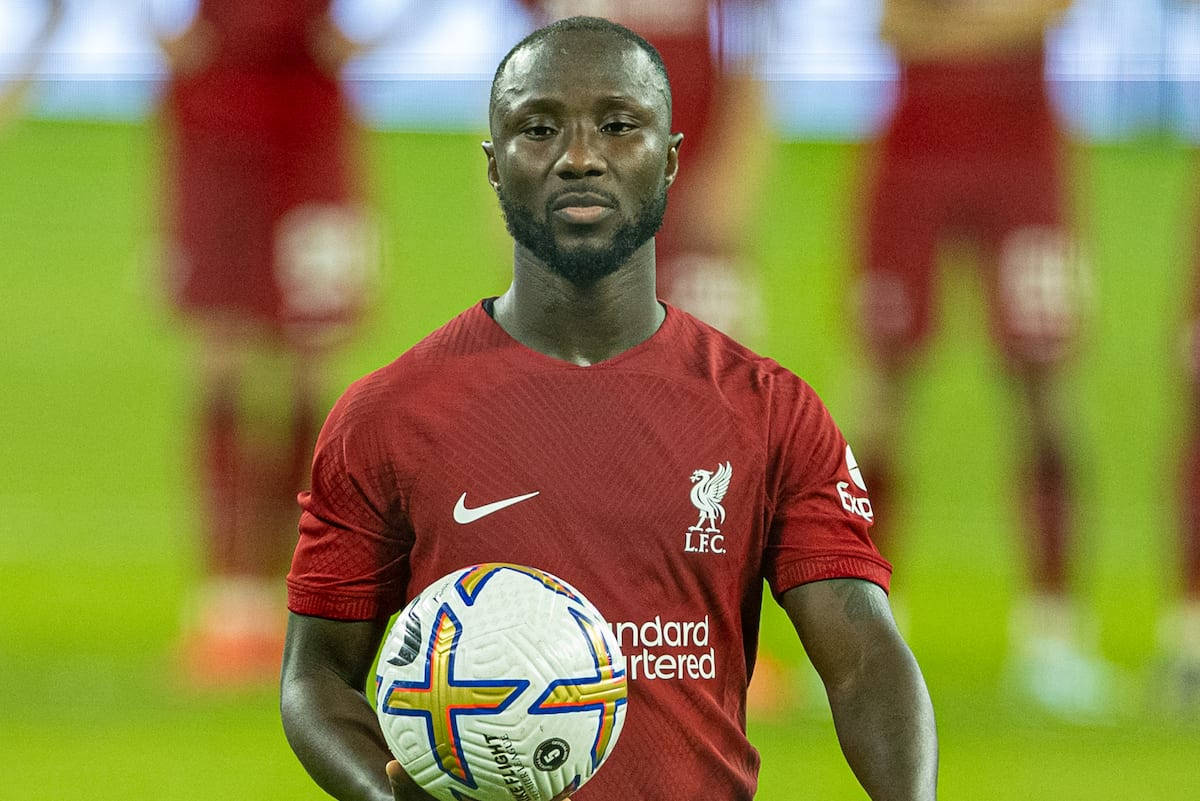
667 649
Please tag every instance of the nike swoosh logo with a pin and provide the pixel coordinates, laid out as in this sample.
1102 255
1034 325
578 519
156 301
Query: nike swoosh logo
464 515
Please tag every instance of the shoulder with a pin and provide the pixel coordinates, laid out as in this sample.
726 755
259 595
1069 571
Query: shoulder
436 365
735 368
771 401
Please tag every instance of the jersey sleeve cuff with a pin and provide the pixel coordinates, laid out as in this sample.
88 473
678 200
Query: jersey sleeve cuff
335 606
820 568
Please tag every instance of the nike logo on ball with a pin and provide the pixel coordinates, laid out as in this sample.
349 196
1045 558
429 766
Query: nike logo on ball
464 515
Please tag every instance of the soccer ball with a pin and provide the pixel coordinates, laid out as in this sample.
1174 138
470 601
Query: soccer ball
498 682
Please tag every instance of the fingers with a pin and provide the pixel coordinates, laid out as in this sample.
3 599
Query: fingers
403 787
400 781
397 777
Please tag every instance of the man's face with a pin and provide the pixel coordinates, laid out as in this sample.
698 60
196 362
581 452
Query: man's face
582 155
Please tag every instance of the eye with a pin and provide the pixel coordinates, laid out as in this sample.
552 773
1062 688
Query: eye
617 127
538 131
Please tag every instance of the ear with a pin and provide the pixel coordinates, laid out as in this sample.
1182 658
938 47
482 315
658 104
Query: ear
672 170
493 174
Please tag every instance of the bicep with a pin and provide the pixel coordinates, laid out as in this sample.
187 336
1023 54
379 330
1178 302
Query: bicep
841 622
343 648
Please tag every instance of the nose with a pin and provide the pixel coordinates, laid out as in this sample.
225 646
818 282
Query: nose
580 157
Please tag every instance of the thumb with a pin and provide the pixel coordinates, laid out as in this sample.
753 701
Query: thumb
396 776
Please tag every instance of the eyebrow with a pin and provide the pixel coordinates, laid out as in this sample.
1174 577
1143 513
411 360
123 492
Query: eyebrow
553 104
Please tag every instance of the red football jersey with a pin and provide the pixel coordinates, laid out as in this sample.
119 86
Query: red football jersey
665 483
260 167
261 77
996 105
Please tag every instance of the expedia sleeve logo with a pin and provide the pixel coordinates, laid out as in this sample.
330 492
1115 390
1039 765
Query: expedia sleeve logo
855 504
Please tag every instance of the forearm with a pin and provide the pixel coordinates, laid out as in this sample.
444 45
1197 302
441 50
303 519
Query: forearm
885 725
334 732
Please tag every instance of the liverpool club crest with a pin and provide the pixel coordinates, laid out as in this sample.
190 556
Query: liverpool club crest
708 490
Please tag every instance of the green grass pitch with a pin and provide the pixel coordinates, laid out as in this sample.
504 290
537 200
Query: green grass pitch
98 543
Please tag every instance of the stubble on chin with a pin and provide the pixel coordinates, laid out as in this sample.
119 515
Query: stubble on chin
583 266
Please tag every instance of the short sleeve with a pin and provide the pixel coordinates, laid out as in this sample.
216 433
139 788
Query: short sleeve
822 513
351 562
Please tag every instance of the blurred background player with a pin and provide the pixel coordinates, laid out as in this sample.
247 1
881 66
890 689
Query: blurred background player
269 256
973 154
1180 630
710 48
14 90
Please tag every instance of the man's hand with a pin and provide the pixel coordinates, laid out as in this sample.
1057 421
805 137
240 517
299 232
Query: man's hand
405 789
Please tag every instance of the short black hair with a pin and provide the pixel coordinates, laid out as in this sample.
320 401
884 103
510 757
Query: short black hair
589 25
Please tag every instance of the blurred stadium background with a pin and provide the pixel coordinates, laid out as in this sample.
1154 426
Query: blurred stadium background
97 535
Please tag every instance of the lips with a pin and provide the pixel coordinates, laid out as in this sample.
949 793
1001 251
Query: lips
581 200
582 208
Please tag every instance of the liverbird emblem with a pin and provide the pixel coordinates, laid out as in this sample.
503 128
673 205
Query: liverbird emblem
708 491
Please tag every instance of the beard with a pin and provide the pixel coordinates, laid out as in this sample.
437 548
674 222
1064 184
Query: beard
583 265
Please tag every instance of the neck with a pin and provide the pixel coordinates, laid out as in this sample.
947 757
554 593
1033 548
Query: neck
581 325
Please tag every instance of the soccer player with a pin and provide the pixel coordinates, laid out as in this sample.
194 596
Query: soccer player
710 48
578 407
973 153
269 258
1179 631
1180 628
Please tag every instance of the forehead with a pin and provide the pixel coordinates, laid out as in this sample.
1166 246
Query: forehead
577 67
